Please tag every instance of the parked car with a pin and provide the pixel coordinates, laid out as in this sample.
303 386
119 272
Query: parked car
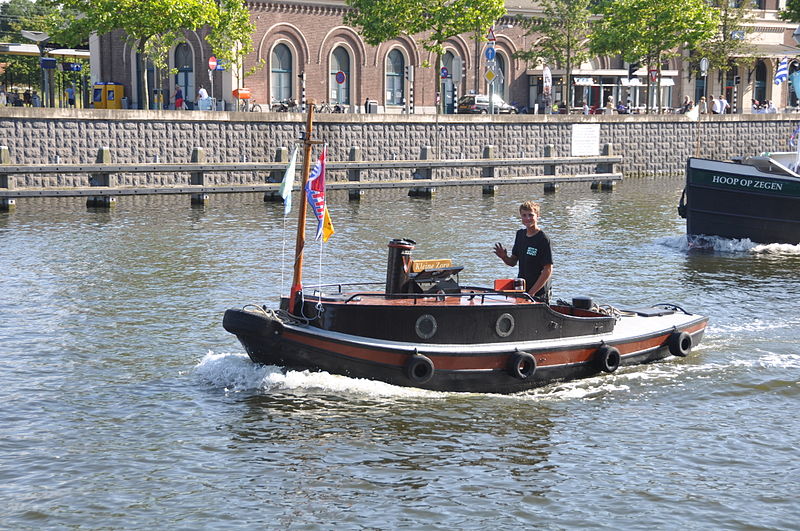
479 104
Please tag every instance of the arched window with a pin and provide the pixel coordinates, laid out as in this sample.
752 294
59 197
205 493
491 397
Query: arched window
340 62
500 80
395 89
281 71
184 63
760 86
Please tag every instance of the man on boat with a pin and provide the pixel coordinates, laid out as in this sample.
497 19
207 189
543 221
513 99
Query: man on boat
532 252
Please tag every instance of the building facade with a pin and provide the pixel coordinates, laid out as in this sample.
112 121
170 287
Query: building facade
304 51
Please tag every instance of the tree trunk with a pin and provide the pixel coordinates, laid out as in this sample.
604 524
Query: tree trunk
143 66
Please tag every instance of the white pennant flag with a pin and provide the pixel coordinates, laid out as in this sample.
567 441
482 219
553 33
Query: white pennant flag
288 182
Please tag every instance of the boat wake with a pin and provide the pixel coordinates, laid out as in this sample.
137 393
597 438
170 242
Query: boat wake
726 245
236 373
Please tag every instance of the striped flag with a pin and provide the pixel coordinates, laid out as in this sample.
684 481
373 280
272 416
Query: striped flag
315 193
287 183
782 74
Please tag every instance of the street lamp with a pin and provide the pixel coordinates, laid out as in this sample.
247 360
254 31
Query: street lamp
40 37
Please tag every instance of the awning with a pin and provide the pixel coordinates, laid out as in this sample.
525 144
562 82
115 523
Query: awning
769 50
32 49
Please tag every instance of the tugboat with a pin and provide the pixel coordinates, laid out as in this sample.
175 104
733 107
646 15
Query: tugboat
757 198
424 329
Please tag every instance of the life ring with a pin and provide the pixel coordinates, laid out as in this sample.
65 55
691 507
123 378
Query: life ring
607 358
419 369
680 344
522 365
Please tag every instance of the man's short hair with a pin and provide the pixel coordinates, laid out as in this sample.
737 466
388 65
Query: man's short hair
533 206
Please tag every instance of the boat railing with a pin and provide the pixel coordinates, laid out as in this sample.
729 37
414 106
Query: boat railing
466 292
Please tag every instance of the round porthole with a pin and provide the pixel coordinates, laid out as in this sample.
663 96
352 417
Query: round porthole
504 325
426 326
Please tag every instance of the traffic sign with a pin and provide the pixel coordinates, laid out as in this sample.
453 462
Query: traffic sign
490 53
212 63
490 37
490 76
445 73
341 77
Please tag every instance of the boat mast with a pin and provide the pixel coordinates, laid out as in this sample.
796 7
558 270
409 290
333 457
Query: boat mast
297 279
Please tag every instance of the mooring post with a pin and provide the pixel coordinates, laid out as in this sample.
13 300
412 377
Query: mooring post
6 181
354 194
550 169
276 176
605 167
488 172
198 178
426 153
105 179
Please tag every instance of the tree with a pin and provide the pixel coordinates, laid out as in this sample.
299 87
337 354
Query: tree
153 26
792 11
729 41
15 16
652 31
564 28
434 21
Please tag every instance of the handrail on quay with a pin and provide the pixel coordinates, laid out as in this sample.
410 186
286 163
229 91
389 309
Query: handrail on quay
104 184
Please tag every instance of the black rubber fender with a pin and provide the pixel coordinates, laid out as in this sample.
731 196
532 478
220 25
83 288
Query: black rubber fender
608 358
419 369
680 344
522 365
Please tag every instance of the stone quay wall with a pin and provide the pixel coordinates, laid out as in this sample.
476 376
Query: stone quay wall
651 145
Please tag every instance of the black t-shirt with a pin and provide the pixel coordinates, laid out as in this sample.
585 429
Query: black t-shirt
533 253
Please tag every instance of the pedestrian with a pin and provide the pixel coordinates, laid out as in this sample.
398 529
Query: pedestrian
178 98
771 107
71 95
585 108
36 101
202 93
687 105
532 252
3 98
26 98
610 105
703 105
723 104
715 105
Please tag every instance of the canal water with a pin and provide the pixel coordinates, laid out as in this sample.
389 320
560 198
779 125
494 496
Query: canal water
125 405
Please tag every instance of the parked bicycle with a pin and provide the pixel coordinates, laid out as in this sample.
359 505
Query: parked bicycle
287 105
249 105
327 107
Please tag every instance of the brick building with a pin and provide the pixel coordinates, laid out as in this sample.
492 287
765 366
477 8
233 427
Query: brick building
303 50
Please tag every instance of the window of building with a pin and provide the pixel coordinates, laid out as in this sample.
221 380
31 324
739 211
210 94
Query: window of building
500 81
395 89
184 63
760 85
281 73
340 62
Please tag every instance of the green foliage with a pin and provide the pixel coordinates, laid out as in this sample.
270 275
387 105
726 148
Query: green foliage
791 12
155 26
563 27
432 22
729 41
653 30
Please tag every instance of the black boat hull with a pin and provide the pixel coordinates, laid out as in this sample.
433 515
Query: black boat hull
485 368
740 201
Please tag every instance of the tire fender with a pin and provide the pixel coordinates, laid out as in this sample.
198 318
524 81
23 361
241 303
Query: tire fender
608 358
680 344
522 365
419 369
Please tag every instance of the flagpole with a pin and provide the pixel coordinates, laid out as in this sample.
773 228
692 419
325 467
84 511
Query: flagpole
297 280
